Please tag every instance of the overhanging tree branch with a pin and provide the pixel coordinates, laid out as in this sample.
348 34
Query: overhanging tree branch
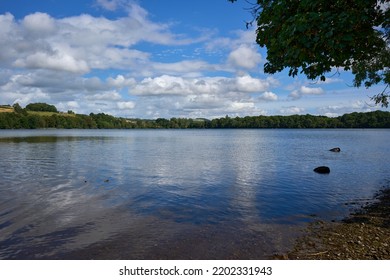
312 37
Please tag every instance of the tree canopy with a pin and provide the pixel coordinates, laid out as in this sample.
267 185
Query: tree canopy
22 118
314 37
41 107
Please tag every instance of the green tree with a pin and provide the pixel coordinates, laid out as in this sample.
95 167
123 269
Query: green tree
18 109
41 107
315 36
162 123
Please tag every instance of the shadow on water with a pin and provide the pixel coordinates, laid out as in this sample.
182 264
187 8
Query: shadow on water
43 246
51 139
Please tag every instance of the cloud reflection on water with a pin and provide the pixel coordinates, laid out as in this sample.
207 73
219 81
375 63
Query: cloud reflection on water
64 192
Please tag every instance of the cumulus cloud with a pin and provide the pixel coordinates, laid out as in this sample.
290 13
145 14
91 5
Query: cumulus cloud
340 109
238 106
268 96
120 82
161 85
203 105
249 84
53 61
39 24
97 64
292 110
125 105
245 56
172 85
69 105
73 104
304 90
311 91
82 43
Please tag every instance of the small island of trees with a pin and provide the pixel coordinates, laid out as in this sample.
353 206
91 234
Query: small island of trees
42 115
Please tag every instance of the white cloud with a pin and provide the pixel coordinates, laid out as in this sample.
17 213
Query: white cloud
161 85
292 110
39 24
304 90
66 106
105 96
110 5
268 96
82 43
7 23
45 59
240 106
203 105
137 66
23 97
311 91
120 82
10 46
249 84
338 110
245 56
201 101
165 95
73 104
125 105
172 85
53 61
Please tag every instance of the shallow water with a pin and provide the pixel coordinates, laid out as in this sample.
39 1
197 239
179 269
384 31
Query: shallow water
177 193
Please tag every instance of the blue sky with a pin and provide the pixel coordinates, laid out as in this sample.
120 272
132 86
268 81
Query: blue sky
150 59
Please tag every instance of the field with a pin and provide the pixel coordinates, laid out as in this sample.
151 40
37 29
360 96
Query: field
6 109
48 114
10 109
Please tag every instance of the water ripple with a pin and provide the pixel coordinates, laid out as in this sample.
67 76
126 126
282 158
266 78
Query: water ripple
70 191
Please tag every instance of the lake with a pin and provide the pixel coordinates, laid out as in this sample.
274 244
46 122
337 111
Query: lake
178 194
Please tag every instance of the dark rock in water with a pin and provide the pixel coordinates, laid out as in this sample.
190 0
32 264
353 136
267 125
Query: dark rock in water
322 169
336 150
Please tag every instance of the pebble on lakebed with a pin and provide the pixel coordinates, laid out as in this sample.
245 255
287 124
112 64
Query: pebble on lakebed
364 235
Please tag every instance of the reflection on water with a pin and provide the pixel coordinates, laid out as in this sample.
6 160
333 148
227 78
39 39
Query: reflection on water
176 194
47 139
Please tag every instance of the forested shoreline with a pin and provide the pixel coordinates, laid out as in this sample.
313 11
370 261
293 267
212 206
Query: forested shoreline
46 116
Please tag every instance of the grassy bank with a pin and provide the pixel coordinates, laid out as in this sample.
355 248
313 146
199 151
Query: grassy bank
6 109
364 235
49 114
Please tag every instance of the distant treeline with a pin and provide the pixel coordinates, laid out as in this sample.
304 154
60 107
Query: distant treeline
33 117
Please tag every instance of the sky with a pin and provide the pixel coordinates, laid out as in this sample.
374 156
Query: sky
155 59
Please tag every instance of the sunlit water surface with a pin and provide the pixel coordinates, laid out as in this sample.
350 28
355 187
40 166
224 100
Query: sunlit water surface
134 194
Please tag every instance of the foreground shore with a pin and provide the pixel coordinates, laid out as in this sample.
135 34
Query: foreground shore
365 235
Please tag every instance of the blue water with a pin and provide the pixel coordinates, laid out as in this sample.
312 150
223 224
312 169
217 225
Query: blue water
69 191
